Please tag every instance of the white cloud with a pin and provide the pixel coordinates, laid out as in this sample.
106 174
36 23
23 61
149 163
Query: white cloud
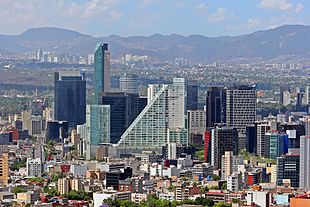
220 15
253 23
201 9
59 13
283 5
299 7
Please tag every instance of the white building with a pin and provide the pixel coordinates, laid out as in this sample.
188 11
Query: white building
304 179
34 167
79 169
260 198
234 182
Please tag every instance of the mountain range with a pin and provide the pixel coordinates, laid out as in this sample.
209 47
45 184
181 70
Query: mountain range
291 41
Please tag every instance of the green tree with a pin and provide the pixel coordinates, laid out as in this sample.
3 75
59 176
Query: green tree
18 190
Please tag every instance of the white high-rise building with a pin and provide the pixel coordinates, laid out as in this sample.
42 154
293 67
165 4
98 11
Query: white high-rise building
304 178
34 167
286 97
262 142
161 119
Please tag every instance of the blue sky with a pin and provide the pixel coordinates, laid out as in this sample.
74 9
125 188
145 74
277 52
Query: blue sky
147 17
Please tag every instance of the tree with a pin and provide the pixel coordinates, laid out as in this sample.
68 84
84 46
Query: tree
224 186
204 201
18 190
221 204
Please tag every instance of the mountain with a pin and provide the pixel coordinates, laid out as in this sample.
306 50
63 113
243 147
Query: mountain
288 40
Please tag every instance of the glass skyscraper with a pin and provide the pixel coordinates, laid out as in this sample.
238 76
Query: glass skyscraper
102 71
70 97
162 120
97 128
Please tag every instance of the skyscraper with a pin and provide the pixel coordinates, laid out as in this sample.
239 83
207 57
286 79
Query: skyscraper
124 108
241 109
307 95
262 143
216 106
102 71
304 178
223 139
288 169
163 117
97 128
56 131
191 95
70 97
128 83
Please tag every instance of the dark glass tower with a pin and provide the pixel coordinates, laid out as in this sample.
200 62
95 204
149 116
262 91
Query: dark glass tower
192 95
56 131
102 71
124 108
70 97
216 106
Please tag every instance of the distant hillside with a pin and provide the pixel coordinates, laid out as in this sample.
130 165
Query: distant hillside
287 40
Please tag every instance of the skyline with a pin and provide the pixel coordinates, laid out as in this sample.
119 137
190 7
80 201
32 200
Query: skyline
174 17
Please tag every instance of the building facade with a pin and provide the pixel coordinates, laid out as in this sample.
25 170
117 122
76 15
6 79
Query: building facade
70 97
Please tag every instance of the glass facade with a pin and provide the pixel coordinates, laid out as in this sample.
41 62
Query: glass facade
70 97
288 169
124 109
97 127
102 71
164 112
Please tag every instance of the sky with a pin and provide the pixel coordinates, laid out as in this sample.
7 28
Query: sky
146 17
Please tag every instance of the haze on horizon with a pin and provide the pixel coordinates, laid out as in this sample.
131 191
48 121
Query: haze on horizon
147 17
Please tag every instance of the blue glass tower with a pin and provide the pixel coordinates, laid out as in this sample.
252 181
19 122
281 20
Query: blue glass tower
70 97
102 71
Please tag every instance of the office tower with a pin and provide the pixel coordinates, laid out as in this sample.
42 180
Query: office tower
39 54
56 131
35 125
97 128
307 95
196 124
34 167
307 125
102 71
241 110
277 144
124 108
165 110
299 99
251 139
288 170
294 131
262 142
191 95
4 169
81 131
223 139
70 97
128 83
304 179
216 106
